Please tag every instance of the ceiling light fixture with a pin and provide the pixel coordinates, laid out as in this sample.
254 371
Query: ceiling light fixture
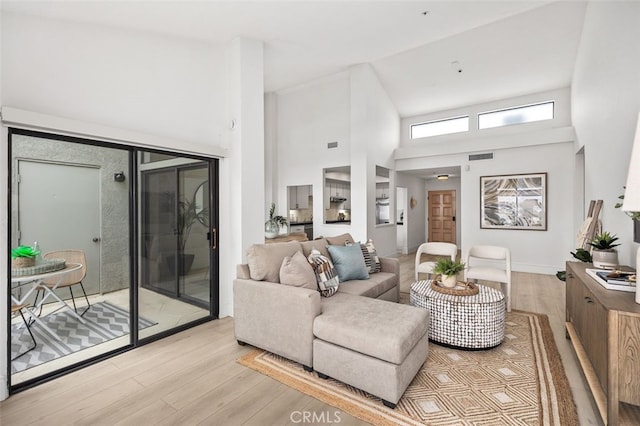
443 177
425 13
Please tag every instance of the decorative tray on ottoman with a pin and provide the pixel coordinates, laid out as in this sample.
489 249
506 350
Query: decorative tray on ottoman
49 265
461 289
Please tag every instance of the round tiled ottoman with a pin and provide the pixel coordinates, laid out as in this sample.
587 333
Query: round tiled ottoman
468 322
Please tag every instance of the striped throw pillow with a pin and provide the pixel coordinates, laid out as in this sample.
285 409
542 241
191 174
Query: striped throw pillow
326 274
371 258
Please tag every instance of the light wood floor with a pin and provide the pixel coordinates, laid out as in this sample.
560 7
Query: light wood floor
192 378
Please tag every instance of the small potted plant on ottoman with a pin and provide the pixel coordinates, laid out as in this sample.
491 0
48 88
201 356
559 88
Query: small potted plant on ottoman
23 257
448 270
604 254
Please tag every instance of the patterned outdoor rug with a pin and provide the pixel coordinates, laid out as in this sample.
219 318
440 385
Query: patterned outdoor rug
520 382
104 322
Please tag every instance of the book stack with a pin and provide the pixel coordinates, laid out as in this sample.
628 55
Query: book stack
614 280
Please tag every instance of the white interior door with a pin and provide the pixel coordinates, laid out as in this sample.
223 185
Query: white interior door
59 207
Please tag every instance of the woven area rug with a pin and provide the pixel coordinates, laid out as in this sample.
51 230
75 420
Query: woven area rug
520 382
104 322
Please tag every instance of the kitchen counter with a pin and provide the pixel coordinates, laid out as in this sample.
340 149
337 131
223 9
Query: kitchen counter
345 222
300 223
287 238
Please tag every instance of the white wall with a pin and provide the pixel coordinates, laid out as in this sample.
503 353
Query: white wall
545 146
605 104
414 218
150 83
375 128
350 108
309 117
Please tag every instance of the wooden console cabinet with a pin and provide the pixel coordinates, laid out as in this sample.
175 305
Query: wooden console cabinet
604 327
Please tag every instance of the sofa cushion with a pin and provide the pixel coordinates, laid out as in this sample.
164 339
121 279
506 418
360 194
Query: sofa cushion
296 271
375 286
384 330
325 272
349 262
265 259
319 244
340 240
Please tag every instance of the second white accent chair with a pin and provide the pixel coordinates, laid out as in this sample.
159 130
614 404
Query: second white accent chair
479 265
436 249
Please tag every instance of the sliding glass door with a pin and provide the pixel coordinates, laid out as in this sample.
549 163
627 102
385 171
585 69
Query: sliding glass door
134 235
175 238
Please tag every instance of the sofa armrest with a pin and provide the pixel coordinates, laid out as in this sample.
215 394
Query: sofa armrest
276 317
390 264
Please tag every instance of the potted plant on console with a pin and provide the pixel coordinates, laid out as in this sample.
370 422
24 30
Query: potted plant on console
448 270
603 252
275 222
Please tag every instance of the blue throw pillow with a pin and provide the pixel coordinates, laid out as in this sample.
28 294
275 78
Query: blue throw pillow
349 262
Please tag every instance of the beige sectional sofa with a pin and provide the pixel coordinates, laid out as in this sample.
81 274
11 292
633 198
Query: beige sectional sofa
348 336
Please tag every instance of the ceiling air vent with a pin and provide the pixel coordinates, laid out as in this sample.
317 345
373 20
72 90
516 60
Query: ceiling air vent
332 145
487 156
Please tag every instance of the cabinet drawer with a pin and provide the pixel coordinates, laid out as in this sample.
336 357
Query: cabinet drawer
297 229
629 359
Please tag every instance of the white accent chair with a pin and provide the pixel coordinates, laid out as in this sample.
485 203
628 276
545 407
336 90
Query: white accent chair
436 249
476 268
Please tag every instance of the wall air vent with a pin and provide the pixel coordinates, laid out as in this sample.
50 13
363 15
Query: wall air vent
487 156
332 145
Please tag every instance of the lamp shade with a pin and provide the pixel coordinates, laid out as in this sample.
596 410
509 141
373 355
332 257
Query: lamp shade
632 191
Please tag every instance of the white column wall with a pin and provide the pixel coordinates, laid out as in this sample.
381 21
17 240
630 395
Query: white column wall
242 205
605 98
4 235
375 133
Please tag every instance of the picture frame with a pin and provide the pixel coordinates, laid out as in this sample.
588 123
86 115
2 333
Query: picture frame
516 201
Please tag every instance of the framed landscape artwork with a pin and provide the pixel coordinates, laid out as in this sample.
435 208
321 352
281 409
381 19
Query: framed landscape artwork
514 202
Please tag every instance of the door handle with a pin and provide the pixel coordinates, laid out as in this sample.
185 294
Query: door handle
96 239
214 238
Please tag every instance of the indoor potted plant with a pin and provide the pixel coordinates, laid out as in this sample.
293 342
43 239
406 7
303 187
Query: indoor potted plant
603 251
23 256
448 270
275 222
188 214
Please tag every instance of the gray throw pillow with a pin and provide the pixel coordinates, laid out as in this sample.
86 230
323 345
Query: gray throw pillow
349 262
296 271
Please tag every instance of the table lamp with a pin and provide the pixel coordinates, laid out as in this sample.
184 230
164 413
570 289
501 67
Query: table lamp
632 191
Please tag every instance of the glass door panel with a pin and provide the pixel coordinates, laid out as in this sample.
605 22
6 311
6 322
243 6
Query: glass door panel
175 253
65 197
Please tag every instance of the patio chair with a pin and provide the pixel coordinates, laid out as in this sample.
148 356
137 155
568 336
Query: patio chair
71 279
17 309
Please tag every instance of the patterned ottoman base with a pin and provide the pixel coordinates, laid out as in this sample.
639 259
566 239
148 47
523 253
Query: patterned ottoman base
469 322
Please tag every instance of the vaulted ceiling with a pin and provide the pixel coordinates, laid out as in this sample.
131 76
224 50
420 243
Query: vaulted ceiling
503 48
